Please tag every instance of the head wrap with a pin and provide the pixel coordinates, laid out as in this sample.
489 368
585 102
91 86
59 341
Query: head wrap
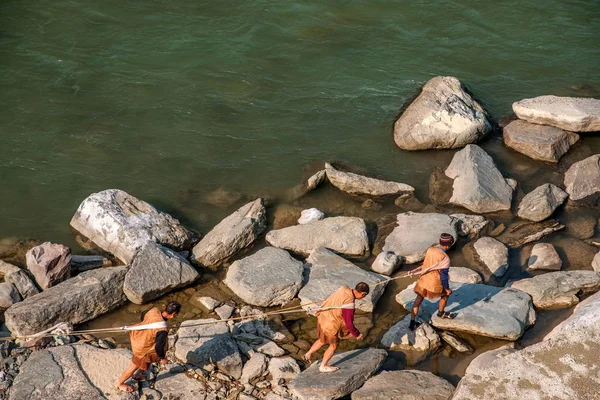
446 239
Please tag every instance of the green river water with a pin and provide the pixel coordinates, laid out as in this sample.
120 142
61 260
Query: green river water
169 100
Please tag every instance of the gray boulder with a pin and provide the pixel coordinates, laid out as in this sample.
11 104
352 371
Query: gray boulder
478 184
544 256
327 272
443 116
540 142
121 224
405 385
596 262
559 289
386 263
563 366
9 295
361 186
207 341
541 202
76 300
570 113
470 225
234 233
425 231
267 278
582 180
355 367
417 344
19 278
344 235
156 270
255 367
49 263
463 275
502 313
492 255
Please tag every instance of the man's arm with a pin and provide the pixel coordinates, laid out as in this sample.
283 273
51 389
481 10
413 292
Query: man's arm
160 344
348 315
445 276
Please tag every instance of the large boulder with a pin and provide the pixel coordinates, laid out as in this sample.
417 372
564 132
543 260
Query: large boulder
404 385
327 272
541 202
490 255
425 230
361 186
20 278
207 341
564 366
121 224
502 313
417 344
157 270
49 263
478 184
544 256
76 300
582 180
559 289
570 113
231 235
9 295
344 235
355 367
267 278
540 142
443 116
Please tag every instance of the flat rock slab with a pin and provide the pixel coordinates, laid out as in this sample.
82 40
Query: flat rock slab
360 185
327 272
344 235
559 289
564 366
425 230
76 300
570 113
582 180
502 313
540 142
404 385
156 270
417 344
478 185
443 116
541 202
121 224
355 367
267 278
544 256
205 341
231 235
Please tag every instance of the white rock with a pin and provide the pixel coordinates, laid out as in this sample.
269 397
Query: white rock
425 230
285 368
493 254
478 184
443 116
544 256
419 343
541 202
540 142
209 303
386 263
364 186
463 275
121 224
269 348
224 311
254 367
571 113
310 215
582 179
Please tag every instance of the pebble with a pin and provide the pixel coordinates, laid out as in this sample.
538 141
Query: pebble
224 311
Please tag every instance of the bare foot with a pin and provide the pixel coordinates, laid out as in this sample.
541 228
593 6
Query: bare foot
328 368
126 388
306 358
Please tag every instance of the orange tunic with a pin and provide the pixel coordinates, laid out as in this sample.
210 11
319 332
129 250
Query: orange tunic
429 284
143 341
330 322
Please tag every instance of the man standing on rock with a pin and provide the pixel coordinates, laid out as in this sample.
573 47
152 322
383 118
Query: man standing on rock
335 321
434 279
149 343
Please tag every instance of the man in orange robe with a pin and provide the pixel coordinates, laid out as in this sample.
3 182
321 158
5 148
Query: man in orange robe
433 282
148 345
335 321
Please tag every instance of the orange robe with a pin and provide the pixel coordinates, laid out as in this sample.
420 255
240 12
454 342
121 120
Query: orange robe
429 284
143 341
330 322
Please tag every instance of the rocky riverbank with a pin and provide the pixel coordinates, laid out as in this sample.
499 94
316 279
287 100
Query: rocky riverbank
523 247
